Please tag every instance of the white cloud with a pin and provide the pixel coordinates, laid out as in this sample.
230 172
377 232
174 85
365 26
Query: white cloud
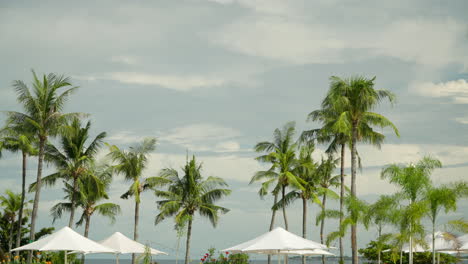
179 83
227 146
281 32
427 42
405 153
230 167
462 120
124 137
175 82
203 137
130 60
456 90
281 39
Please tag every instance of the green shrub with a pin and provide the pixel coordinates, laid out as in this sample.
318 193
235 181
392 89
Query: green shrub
224 258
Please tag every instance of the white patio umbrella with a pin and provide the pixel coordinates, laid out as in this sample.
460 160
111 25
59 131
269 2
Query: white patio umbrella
276 241
65 240
306 252
124 245
121 244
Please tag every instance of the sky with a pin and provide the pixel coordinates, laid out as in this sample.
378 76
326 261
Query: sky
214 77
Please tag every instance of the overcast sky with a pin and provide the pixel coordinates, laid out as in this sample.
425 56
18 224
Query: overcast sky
217 76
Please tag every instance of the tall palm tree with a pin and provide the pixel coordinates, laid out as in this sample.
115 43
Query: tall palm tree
381 213
326 180
414 180
188 194
43 105
337 141
16 138
73 157
306 171
281 154
11 203
93 189
443 197
354 99
132 164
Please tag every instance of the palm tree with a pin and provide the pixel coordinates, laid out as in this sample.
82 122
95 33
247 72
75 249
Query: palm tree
15 139
281 154
42 105
188 194
443 197
93 189
380 213
131 164
414 180
326 180
306 171
336 140
73 158
355 212
354 99
11 203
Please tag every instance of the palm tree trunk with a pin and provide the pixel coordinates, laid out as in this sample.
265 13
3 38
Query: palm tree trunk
304 223
322 224
342 193
187 245
410 246
272 222
433 241
135 227
37 196
354 249
86 233
379 251
23 196
10 237
72 209
283 193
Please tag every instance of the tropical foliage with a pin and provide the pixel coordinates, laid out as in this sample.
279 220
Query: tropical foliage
294 169
190 193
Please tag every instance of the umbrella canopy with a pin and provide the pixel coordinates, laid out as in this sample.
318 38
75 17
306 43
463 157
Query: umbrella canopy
306 252
124 245
276 241
65 240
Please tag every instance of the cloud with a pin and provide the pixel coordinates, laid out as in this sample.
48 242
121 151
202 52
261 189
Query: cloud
228 167
129 60
203 137
456 90
424 41
462 120
280 39
282 31
124 137
179 83
174 82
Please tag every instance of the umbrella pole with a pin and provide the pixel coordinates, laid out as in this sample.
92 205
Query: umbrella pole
438 258
116 258
279 259
65 257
